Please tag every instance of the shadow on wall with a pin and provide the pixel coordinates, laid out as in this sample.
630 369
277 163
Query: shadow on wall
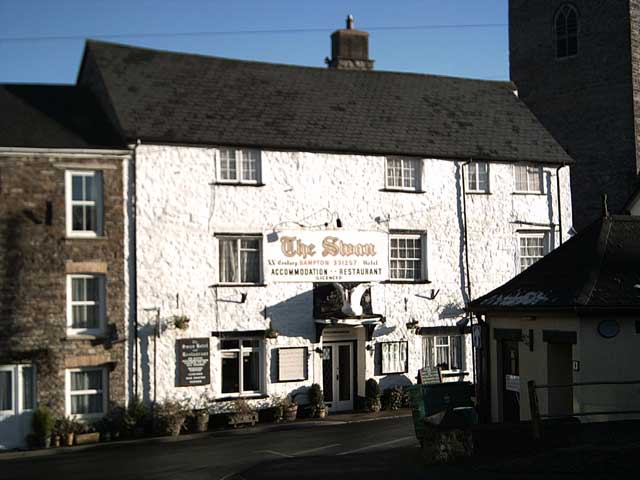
11 265
395 380
293 317
145 336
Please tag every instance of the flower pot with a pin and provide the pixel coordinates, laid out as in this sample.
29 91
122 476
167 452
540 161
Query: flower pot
67 439
86 438
291 412
175 426
46 441
322 412
56 441
237 419
202 421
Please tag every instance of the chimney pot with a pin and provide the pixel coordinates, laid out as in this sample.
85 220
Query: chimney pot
350 22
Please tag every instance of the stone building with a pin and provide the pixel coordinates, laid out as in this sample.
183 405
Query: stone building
577 67
460 180
62 265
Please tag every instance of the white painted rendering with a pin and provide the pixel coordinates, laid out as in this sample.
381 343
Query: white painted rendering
179 209
601 359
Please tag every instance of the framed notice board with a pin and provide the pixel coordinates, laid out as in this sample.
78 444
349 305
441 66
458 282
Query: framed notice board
193 362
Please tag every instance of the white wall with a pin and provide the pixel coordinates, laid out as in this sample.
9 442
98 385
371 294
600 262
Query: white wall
601 359
179 211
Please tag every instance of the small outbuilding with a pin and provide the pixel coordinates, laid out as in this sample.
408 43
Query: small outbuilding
572 317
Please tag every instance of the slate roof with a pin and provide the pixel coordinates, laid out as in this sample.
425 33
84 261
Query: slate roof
53 116
166 97
597 268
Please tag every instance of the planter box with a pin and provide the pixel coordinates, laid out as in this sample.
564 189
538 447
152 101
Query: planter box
85 438
236 419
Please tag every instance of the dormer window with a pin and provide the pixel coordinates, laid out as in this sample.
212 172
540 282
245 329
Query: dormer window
566 32
239 165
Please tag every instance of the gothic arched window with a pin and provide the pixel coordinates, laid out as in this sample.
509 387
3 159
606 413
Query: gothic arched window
566 32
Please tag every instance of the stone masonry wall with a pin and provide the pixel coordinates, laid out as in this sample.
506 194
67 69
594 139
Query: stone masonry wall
35 256
180 209
587 101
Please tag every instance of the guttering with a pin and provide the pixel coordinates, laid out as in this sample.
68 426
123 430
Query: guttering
76 152
133 280
466 238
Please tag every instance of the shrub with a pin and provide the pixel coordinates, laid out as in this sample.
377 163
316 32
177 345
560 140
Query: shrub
392 398
170 416
372 395
242 407
316 400
42 422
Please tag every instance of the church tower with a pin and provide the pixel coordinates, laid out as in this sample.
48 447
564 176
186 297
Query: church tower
576 64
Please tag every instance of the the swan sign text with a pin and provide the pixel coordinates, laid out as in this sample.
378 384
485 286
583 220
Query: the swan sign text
326 256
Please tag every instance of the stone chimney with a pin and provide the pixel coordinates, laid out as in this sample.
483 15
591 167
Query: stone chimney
350 49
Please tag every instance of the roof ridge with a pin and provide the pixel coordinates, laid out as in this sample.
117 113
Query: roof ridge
603 239
291 65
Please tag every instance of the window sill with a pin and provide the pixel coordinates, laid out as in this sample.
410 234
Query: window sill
528 193
400 190
84 336
85 237
240 285
477 192
257 396
407 282
238 184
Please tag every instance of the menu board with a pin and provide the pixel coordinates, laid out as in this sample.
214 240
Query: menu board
192 357
292 364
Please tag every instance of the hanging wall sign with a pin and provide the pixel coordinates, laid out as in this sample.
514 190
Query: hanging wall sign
192 357
326 256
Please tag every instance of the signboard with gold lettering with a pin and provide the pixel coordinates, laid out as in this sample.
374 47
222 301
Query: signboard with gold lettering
326 256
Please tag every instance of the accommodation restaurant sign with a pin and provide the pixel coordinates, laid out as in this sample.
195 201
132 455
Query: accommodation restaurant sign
326 256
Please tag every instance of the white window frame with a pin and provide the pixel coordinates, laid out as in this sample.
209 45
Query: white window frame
239 159
98 203
417 163
385 350
18 387
238 239
240 351
433 360
101 305
475 167
423 253
529 168
523 234
104 391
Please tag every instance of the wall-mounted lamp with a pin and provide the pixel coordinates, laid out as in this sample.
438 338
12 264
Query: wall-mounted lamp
369 348
411 324
318 350
338 223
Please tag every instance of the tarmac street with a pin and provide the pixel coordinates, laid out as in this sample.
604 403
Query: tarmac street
221 455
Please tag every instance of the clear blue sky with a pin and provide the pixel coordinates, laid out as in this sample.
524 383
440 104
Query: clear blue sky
469 51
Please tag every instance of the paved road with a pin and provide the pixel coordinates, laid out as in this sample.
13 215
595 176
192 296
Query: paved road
222 456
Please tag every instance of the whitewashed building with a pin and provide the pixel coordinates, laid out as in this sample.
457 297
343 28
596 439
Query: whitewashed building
455 178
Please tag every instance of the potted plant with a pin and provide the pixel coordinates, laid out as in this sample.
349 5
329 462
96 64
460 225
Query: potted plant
372 395
181 322
316 401
290 409
200 412
242 413
56 436
278 404
42 424
271 332
392 398
135 418
170 416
